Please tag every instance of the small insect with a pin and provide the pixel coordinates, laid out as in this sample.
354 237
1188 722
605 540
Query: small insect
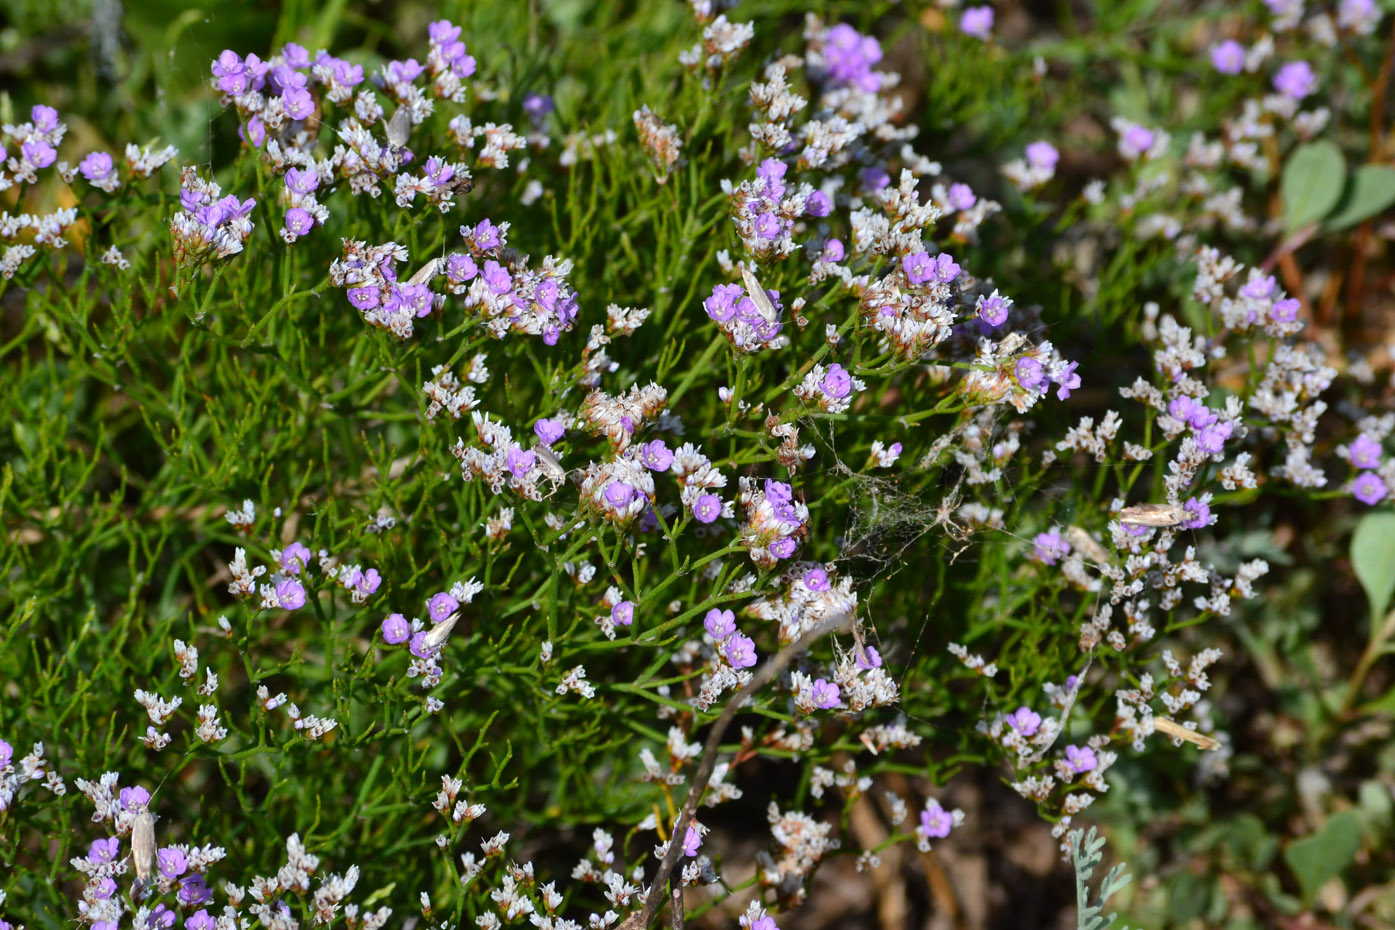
426 272
1173 728
143 847
439 632
552 466
759 297
399 127
1153 514
1086 545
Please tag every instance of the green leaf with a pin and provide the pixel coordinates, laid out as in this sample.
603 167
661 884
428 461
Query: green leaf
1312 183
1373 560
1370 191
1314 859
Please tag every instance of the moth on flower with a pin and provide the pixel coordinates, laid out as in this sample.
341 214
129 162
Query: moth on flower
1174 729
1160 515
759 297
143 848
1086 545
439 632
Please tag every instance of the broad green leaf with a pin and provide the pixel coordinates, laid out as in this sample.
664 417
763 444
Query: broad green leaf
1312 183
1314 859
1373 560
1370 191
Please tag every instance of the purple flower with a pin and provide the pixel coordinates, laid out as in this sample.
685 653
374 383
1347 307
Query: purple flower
438 171
833 250
1081 759
106 849
719 624
97 167
977 21
485 235
101 890
1368 488
45 117
1042 156
193 891
850 57
656 456
721 306
1212 439
764 923
520 460
816 579
461 267
363 298
537 106
296 56
497 277
1228 57
919 267
818 204
290 594
993 310
707 508
1050 547
1259 288
171 862
623 613
548 430
1137 141
946 270
297 102
302 182
417 646
1295 80
767 226
38 153
7 752
874 179
1024 720
740 650
782 548
1030 374
869 658
404 72
772 172
1067 380
1285 311
255 133
618 494
161 918
396 629
935 821
294 558
1200 514
132 798
1364 452
837 383
961 197
692 841
441 606
298 222
825 694
200 920
366 582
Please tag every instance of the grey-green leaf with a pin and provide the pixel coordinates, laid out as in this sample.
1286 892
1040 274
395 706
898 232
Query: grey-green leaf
1314 859
1373 560
1312 183
1370 191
